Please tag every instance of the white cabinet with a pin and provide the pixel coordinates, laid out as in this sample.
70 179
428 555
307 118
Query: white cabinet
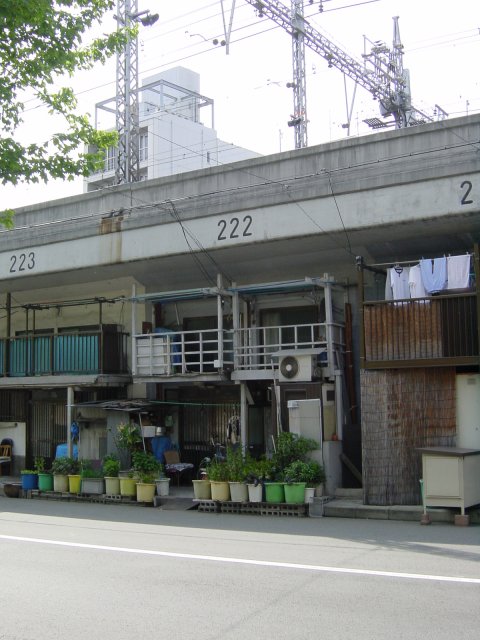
451 477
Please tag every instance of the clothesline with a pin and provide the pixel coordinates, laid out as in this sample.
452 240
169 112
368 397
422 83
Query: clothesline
428 277
411 263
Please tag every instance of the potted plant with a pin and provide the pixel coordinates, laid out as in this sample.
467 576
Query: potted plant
91 479
128 440
146 467
74 477
162 482
128 484
60 469
237 473
258 471
202 489
45 478
290 447
300 474
29 479
111 468
217 473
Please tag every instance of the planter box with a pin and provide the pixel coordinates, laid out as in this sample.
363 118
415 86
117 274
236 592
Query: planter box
274 492
163 486
295 492
145 492
74 483
112 486
238 492
93 485
220 490
45 482
202 489
128 487
29 481
255 493
60 483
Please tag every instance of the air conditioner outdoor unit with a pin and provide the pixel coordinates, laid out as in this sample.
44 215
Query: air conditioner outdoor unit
297 368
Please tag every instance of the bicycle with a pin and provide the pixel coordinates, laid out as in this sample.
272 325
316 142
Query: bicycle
218 455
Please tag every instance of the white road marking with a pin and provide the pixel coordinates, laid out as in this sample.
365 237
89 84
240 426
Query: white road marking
246 561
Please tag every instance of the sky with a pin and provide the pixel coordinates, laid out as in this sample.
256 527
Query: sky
252 102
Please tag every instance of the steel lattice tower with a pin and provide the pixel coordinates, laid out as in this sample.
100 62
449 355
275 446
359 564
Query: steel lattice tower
126 107
299 120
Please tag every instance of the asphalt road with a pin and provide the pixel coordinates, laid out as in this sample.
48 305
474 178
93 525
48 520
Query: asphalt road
111 572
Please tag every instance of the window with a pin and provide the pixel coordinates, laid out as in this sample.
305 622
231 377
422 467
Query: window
143 147
110 159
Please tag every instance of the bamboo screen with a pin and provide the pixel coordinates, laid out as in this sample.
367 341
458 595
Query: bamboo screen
403 331
403 410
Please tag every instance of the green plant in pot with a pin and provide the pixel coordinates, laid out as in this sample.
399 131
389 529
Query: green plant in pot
45 478
91 478
110 466
310 472
237 465
29 479
217 473
144 464
87 470
237 469
128 439
300 475
146 467
111 469
62 467
258 471
39 464
290 447
74 477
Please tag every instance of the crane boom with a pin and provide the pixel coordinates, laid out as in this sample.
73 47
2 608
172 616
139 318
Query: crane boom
387 81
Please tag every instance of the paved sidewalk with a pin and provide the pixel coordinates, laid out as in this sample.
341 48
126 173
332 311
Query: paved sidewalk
348 506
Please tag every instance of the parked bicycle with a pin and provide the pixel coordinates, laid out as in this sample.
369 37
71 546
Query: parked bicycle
218 455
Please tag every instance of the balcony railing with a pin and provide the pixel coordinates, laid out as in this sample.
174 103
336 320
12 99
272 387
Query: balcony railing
440 330
183 352
172 353
255 348
92 352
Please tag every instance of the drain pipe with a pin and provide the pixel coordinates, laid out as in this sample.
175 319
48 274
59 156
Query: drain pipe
70 399
243 416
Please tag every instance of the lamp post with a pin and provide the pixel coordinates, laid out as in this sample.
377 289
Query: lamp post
126 104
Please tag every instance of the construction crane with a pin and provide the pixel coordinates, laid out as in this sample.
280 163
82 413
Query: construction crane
126 102
382 73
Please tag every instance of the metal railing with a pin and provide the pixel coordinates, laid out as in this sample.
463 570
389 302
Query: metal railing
255 348
435 330
89 352
182 352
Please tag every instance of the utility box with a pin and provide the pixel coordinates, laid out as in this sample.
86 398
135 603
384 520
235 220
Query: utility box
305 419
451 477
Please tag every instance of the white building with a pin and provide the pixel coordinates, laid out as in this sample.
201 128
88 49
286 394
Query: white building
173 136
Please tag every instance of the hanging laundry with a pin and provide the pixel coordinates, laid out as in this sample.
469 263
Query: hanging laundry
458 271
415 282
434 274
388 287
399 282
